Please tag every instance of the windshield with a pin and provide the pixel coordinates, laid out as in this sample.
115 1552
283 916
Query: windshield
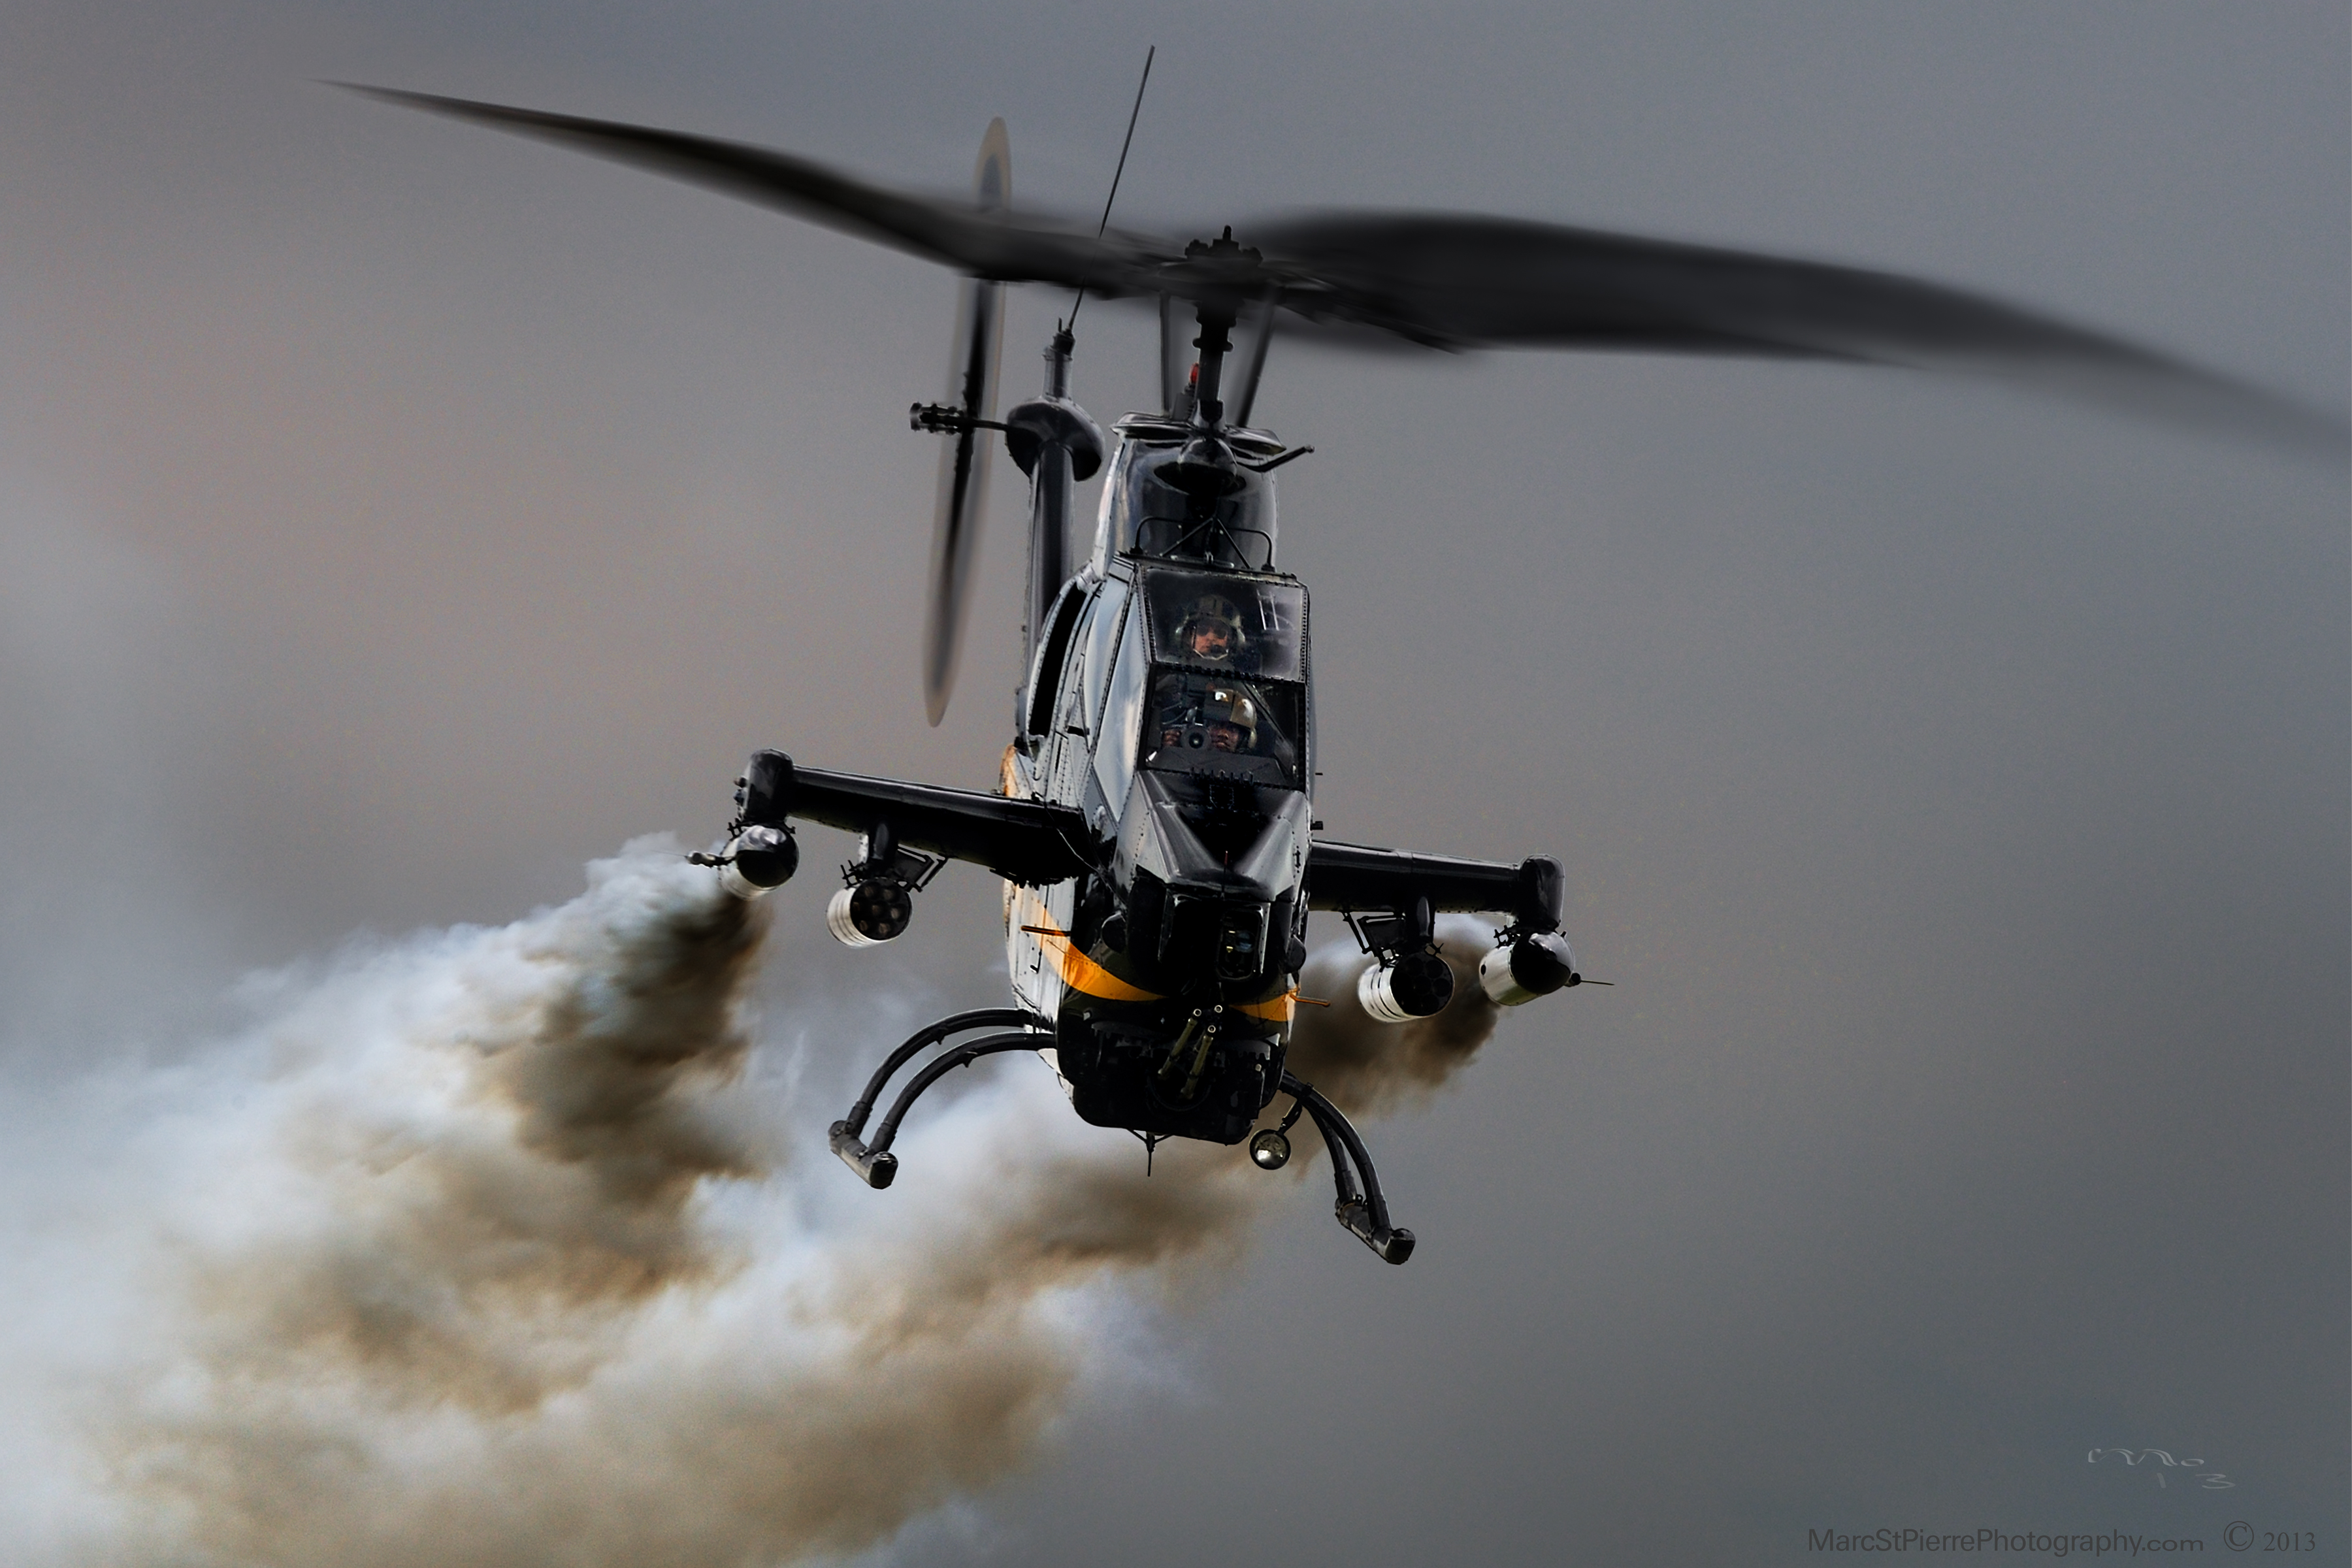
1156 519
1233 625
1215 726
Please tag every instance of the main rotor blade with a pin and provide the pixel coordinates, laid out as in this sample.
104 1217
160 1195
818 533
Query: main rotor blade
1452 281
963 467
1456 281
998 244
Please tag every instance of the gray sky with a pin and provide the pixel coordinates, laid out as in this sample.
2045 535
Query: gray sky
394 517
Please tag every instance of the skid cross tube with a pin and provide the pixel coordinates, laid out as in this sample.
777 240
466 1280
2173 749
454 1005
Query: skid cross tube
874 1164
1366 1215
983 1018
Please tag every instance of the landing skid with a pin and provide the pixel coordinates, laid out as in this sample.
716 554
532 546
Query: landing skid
874 1162
1364 1212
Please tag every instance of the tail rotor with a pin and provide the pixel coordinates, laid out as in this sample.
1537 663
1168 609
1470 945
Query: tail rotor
963 463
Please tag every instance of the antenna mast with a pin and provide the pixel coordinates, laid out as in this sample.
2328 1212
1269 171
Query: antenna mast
1117 174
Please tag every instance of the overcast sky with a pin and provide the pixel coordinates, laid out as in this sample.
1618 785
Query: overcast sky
394 516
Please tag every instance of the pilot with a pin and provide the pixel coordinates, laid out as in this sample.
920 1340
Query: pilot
1225 721
1233 720
1212 630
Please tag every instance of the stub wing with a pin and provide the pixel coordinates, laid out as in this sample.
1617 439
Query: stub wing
1356 878
1024 841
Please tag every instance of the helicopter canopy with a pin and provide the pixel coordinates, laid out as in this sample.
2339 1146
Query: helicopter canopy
1218 727
1226 625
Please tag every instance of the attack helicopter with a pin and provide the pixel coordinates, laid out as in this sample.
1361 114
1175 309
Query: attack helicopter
1153 822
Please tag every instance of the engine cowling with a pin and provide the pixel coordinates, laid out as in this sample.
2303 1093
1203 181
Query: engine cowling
869 913
1535 966
1416 985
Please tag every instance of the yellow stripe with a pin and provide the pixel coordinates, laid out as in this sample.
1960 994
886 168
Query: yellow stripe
1279 1010
1080 972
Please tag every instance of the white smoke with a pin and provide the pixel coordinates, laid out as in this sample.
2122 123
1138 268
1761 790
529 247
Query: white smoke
479 1248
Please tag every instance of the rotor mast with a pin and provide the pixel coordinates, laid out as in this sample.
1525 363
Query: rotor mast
1208 409
1230 270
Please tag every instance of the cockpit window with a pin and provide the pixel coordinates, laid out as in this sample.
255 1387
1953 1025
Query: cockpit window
1098 634
1045 681
1155 519
1218 726
1235 626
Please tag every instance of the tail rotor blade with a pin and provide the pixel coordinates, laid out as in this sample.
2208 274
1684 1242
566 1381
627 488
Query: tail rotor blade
963 465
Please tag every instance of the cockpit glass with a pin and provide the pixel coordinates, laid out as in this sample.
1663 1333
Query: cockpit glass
1220 727
1156 519
1235 626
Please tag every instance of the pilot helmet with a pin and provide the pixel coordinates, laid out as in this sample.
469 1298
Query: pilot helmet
1231 705
1214 618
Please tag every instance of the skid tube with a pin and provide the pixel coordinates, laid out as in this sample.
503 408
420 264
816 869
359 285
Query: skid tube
1365 1214
874 1164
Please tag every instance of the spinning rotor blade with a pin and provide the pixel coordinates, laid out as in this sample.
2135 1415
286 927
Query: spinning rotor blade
963 466
1257 336
1452 281
1175 356
1455 282
993 243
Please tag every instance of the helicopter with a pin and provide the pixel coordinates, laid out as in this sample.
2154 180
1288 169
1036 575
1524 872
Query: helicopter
1153 822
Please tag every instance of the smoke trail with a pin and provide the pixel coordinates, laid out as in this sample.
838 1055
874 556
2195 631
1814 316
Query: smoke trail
496 1128
477 1250
1369 1067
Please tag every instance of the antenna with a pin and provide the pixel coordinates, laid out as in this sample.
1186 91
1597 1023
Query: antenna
1104 226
